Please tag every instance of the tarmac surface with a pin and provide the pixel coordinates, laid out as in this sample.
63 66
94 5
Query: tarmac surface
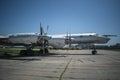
63 65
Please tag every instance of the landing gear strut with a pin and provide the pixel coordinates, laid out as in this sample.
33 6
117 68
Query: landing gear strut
44 51
43 45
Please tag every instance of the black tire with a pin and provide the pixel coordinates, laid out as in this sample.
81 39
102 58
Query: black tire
94 52
22 52
26 53
46 51
30 53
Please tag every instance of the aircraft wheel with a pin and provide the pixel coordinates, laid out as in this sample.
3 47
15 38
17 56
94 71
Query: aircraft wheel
27 53
30 52
46 51
94 52
23 52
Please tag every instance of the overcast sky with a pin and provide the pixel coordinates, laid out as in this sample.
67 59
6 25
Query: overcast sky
62 16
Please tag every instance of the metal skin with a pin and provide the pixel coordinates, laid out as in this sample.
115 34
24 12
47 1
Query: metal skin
29 40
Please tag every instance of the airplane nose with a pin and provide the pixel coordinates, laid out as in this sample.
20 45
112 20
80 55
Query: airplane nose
105 40
102 40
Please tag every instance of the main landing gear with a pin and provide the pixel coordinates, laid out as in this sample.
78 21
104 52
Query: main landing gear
44 51
34 53
30 52
27 53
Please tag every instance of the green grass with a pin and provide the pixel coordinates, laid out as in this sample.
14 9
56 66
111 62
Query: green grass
13 51
10 51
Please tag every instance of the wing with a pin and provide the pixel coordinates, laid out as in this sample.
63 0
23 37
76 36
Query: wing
110 35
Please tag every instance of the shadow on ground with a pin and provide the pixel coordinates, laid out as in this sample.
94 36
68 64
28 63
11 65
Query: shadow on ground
37 56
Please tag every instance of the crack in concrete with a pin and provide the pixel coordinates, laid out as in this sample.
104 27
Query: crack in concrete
60 78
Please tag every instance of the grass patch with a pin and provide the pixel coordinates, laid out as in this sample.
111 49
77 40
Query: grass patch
13 51
10 51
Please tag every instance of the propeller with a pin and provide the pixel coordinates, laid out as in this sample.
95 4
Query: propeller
41 30
47 29
42 33
68 39
43 39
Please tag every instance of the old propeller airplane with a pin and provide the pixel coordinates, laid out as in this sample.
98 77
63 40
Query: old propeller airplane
42 39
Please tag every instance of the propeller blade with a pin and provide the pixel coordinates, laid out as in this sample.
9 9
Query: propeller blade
41 29
70 40
47 29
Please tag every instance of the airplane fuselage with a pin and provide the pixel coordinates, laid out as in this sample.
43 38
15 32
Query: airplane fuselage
57 41
63 39
30 38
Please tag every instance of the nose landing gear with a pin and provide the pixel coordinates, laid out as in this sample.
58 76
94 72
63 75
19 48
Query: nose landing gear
94 51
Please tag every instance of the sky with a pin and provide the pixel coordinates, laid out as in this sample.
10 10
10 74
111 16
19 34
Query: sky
62 16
